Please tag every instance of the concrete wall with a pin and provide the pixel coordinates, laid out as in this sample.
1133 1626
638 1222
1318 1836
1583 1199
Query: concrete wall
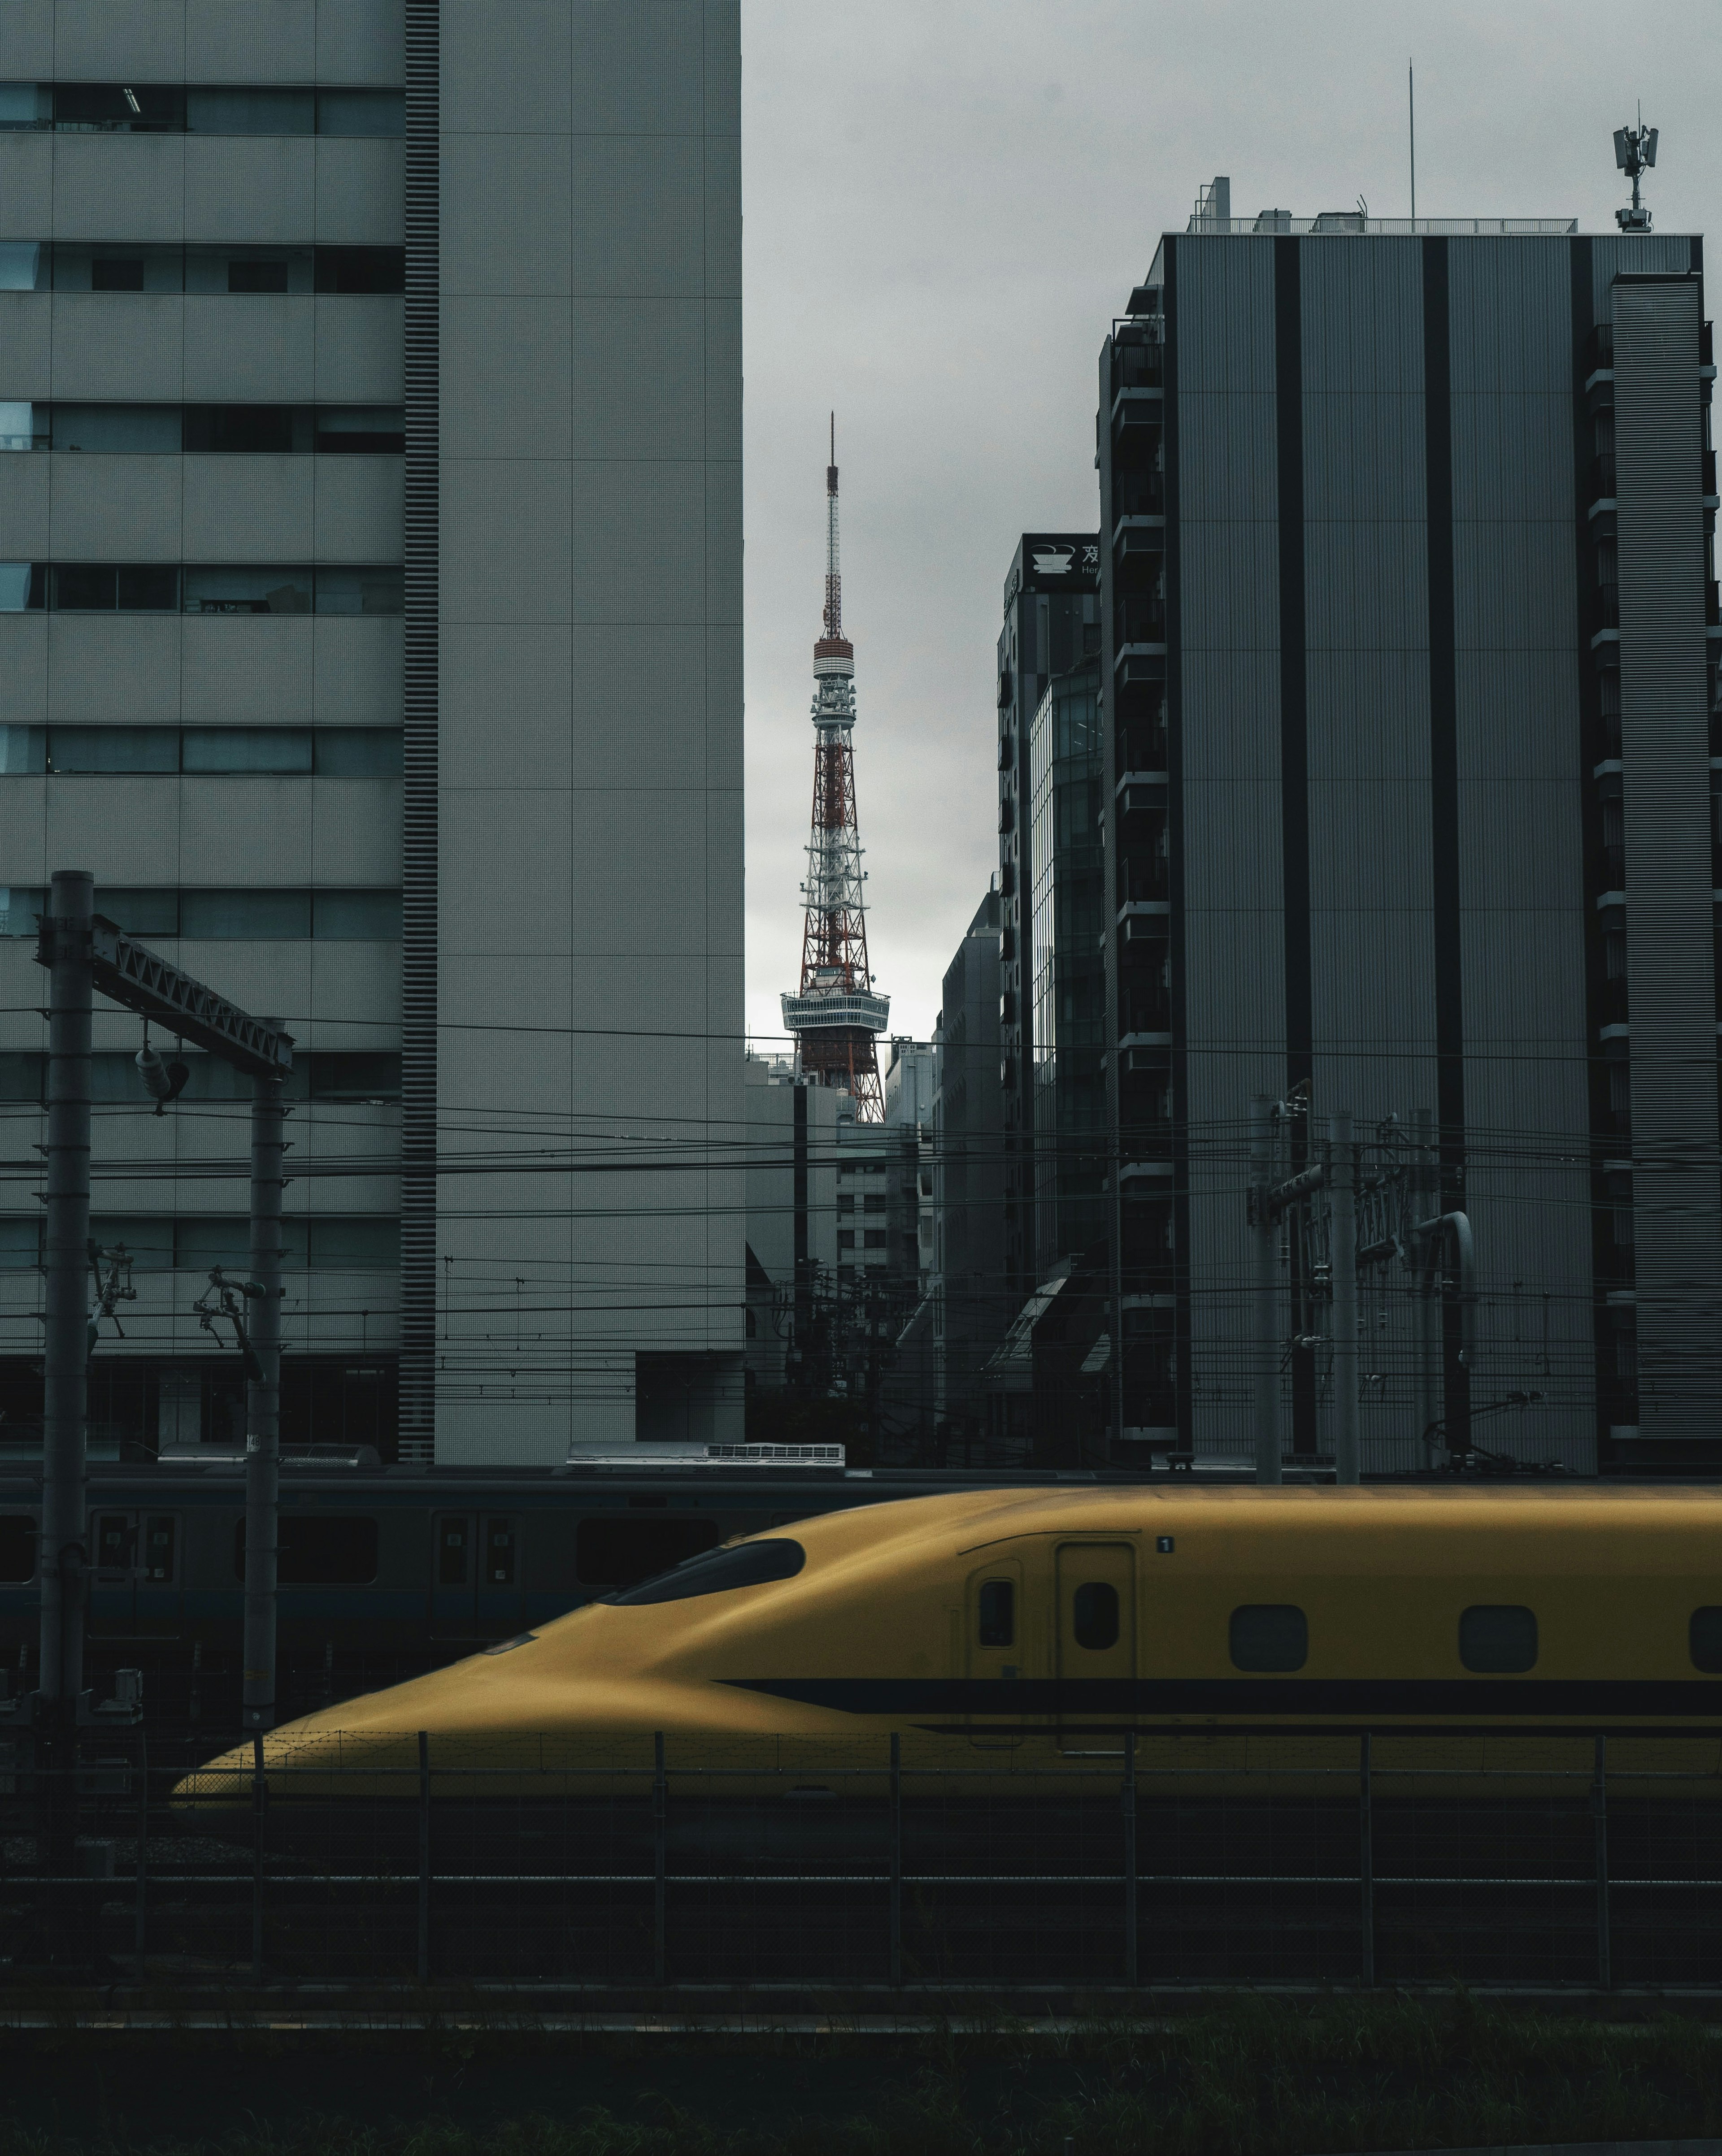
590 832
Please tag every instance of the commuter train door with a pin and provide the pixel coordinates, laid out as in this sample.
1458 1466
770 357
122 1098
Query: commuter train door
1096 1642
475 1582
136 1581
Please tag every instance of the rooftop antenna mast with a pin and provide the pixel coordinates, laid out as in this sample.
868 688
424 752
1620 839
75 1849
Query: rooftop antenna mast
1635 153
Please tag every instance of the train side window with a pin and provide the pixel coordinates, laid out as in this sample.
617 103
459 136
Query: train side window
1703 1638
333 1549
621 1551
1269 1635
158 1541
451 1538
499 1553
18 1547
1094 1614
996 1610
113 1541
1497 1638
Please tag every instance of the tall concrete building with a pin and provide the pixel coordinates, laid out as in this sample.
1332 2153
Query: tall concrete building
370 624
1410 640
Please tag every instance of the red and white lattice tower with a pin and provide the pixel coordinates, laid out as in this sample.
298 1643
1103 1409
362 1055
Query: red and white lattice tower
836 1019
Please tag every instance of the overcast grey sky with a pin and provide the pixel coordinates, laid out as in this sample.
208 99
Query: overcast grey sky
946 202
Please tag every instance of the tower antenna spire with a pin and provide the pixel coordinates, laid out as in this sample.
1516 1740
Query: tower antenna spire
836 1017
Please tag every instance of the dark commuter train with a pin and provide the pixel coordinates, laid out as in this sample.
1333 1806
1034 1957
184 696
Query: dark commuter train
399 1566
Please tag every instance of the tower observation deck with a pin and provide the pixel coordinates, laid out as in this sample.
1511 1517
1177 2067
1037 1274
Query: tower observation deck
836 1018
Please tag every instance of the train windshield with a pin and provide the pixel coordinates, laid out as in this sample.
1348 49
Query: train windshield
750 1564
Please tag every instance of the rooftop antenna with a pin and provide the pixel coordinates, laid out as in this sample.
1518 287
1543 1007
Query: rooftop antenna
1410 90
1635 153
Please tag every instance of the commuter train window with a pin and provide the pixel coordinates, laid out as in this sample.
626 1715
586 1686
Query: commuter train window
996 1611
1269 1635
330 1549
18 1547
1094 1614
499 1553
1703 1639
158 1546
451 1552
620 1552
749 1564
1497 1638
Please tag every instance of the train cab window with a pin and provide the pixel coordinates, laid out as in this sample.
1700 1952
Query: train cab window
749 1564
1704 1637
18 1547
1497 1638
499 1553
996 1611
331 1549
453 1535
1094 1614
1269 1635
622 1552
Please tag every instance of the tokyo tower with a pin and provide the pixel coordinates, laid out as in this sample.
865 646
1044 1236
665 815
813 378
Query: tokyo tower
836 1018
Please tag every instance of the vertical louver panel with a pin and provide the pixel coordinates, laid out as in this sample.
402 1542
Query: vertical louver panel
1665 788
419 956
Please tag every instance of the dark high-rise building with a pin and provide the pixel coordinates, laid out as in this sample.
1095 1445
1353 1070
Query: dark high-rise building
974 1305
1063 943
1410 661
1051 624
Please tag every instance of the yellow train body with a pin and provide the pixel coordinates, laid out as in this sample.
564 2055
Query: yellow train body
1221 1629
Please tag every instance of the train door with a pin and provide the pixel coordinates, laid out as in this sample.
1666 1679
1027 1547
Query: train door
996 1623
1097 1642
136 1584
474 1588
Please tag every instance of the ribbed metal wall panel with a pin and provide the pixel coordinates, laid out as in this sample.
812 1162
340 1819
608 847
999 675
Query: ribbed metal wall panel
1234 962
1639 253
1367 613
419 866
1236 693
1520 812
1664 752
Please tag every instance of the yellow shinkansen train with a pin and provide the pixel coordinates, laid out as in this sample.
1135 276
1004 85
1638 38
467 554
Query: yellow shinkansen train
1020 1629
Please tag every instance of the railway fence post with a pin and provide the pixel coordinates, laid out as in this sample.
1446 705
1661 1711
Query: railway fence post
896 1957
259 1806
140 1915
660 1805
1366 1865
1599 1821
1127 1800
423 1856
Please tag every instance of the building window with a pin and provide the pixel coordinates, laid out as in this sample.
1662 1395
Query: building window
874 1239
846 1239
227 916
333 752
112 108
153 587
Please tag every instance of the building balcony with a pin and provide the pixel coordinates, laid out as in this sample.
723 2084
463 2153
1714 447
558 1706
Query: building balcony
1602 611
1139 619
1712 609
1601 483
1138 493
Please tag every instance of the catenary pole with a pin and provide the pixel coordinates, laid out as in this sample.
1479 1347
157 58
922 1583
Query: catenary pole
71 906
263 1402
1343 1254
1423 1131
1266 1381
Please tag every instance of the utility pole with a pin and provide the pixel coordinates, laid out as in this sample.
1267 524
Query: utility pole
263 1400
83 953
1342 1180
1263 1239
